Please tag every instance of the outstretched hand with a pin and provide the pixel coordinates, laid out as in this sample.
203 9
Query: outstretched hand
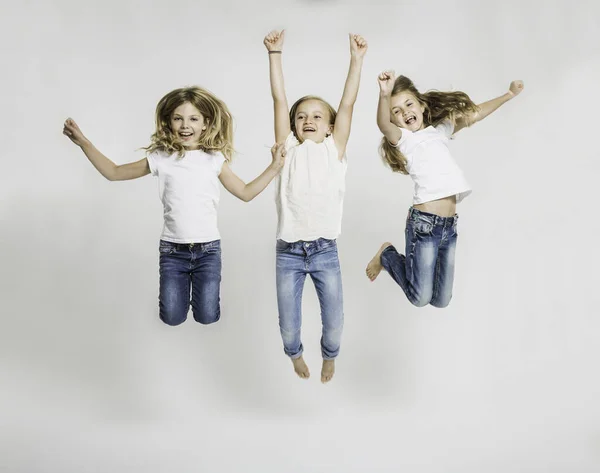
274 40
278 155
73 132
386 82
516 87
358 45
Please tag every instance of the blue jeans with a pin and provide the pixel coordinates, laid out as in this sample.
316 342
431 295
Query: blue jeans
185 268
319 259
426 273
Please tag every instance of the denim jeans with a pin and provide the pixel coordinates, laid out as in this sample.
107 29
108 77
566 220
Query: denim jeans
426 273
185 268
319 259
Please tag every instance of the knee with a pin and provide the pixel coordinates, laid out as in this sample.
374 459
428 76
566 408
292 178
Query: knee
421 295
421 302
206 317
173 317
441 303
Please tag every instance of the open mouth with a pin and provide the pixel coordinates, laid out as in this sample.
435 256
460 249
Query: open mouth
309 129
185 135
410 120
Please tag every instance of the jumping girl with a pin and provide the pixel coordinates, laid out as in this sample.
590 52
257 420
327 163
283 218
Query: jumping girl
310 192
189 153
416 129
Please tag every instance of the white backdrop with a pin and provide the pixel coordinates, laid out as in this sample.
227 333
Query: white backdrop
504 380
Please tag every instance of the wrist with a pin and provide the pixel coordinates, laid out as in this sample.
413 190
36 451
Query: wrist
274 168
275 51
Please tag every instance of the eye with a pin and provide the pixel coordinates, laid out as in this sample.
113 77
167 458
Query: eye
194 119
317 117
177 118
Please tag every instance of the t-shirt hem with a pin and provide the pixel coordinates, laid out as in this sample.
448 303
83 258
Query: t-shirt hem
462 193
293 239
189 240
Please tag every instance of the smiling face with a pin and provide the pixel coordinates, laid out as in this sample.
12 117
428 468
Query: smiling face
187 124
407 111
312 121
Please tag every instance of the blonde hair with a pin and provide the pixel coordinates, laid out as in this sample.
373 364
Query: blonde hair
294 109
218 135
439 106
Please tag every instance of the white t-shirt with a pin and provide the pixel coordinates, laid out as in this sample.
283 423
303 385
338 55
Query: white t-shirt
431 166
189 190
310 191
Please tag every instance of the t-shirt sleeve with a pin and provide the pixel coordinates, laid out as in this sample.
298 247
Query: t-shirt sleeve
217 160
446 128
406 134
291 141
153 163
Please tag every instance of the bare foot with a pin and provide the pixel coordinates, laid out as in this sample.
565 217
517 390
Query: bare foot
300 367
374 267
327 371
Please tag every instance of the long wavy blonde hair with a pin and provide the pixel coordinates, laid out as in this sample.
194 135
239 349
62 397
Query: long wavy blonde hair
218 135
439 106
293 110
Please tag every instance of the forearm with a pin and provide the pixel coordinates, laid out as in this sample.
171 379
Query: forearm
383 112
104 165
352 82
486 108
252 189
276 77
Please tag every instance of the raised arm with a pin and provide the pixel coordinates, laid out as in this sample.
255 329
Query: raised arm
392 132
247 192
343 120
274 44
105 166
486 108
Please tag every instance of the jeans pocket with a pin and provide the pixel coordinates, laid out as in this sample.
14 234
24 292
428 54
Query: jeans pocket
455 228
213 247
326 243
423 227
166 248
282 246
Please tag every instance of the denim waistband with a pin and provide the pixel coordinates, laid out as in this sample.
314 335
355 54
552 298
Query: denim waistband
433 218
181 246
319 243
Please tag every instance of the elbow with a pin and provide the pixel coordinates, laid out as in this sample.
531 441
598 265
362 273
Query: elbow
112 174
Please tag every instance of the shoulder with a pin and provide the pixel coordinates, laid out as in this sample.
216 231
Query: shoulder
156 159
405 136
332 149
446 127
159 155
217 159
291 141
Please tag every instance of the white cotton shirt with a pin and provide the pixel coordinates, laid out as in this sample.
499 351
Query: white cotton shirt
431 166
310 191
189 190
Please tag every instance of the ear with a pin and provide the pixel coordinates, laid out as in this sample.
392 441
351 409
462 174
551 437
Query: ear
329 130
